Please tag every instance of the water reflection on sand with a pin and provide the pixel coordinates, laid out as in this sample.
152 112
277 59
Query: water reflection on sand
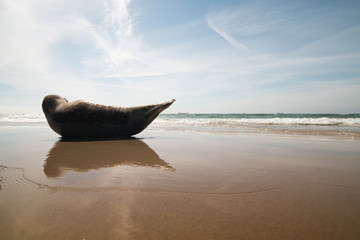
84 156
225 187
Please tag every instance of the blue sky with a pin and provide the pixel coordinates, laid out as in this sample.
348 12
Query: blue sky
211 56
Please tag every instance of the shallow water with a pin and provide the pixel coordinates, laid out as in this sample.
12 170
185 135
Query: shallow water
178 185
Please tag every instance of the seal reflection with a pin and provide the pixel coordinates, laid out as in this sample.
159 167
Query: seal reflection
84 156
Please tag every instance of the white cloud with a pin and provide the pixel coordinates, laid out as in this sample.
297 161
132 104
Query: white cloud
32 30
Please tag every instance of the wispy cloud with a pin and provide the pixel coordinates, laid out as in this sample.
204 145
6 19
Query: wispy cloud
280 26
239 23
226 35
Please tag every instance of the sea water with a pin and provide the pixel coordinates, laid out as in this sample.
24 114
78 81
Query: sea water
328 124
318 124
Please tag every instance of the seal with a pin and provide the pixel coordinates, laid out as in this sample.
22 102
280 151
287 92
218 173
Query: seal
80 119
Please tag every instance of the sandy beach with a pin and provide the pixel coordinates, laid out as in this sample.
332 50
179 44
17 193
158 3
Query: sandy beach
178 185
240 120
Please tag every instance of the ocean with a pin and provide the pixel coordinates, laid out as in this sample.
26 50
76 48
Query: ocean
341 125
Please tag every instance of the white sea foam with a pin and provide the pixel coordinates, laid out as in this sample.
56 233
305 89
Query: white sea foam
22 118
238 122
211 122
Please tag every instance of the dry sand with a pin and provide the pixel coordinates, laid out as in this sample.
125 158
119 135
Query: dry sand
178 185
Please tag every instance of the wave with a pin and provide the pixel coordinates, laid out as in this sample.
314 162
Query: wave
221 120
347 126
238 122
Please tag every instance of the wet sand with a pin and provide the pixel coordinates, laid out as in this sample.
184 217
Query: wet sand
178 185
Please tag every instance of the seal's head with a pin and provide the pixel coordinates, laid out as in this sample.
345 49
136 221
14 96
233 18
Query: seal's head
51 102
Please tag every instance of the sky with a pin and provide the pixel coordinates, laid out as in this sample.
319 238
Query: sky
213 56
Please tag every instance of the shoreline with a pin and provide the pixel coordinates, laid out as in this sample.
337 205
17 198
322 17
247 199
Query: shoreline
264 131
276 131
342 126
